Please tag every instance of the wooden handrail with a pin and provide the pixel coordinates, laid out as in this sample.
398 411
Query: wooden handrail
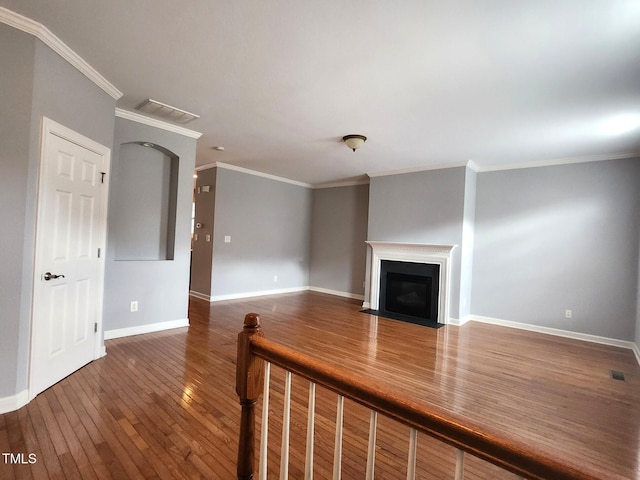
501 450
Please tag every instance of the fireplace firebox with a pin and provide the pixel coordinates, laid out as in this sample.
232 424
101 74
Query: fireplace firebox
409 290
410 278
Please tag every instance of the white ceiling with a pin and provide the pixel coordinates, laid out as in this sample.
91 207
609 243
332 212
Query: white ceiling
430 83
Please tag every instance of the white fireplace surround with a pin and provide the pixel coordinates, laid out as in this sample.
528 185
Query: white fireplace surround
416 253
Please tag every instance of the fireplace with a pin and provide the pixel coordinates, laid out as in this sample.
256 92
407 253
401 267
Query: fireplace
409 289
410 280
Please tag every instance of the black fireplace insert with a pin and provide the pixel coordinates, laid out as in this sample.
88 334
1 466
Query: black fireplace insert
409 292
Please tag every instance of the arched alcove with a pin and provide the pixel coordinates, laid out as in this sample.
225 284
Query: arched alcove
145 194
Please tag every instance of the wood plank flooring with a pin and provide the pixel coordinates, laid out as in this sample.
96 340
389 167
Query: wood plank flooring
163 405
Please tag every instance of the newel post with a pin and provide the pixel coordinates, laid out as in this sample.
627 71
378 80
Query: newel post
249 385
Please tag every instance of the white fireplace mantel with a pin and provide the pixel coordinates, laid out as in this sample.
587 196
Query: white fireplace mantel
416 253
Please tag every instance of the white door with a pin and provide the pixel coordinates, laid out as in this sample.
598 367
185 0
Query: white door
69 264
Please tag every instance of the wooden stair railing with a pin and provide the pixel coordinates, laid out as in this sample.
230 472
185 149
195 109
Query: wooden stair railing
255 352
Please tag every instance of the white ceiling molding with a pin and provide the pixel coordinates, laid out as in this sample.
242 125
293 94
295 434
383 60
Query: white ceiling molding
559 161
473 166
282 179
228 166
152 122
353 183
205 167
419 169
41 32
513 166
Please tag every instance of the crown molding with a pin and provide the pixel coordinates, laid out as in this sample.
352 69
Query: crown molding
228 166
423 168
346 183
473 165
206 166
152 122
559 161
45 35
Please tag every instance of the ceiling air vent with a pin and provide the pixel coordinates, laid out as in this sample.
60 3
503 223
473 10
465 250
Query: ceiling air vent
166 112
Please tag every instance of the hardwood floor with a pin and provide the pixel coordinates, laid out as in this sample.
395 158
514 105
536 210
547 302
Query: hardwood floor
163 405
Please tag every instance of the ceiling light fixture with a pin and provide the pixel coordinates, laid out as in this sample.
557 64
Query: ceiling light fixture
354 141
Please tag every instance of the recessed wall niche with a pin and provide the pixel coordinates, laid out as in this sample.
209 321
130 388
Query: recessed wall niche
145 191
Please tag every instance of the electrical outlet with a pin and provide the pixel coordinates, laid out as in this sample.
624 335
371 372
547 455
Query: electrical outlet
275 278
133 307
568 313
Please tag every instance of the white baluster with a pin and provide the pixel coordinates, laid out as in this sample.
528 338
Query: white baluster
264 433
411 464
284 450
337 450
371 450
459 464
308 463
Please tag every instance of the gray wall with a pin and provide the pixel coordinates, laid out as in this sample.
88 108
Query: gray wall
143 223
16 87
563 237
202 250
637 337
338 235
269 224
34 82
160 287
422 207
467 245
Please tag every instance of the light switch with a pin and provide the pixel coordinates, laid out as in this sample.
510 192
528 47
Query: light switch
227 239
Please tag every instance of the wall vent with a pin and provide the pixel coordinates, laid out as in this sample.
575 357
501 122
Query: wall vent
617 375
166 112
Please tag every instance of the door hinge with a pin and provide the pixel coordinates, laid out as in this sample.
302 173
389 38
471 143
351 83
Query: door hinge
95 327
98 253
102 176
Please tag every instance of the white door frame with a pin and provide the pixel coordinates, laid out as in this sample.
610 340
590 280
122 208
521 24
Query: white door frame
50 127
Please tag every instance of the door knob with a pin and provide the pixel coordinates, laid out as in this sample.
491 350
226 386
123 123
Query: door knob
50 276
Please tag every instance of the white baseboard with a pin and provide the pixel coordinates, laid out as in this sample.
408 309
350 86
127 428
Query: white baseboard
636 352
149 328
458 322
261 293
235 296
199 295
560 333
13 403
337 293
